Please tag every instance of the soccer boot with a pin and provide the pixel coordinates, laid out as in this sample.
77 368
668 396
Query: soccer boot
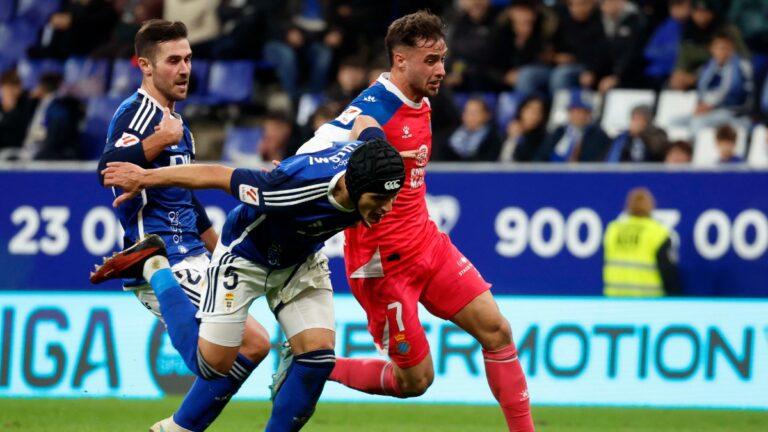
129 263
167 425
286 359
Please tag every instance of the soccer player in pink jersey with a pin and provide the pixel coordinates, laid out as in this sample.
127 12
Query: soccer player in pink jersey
404 260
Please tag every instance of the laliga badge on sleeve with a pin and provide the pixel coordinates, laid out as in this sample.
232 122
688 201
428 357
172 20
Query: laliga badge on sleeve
127 140
249 194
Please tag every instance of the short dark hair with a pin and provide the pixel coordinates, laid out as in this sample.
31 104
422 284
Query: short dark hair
10 77
156 31
412 28
51 81
725 133
683 146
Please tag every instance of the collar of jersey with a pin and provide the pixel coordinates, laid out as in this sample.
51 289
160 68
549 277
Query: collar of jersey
331 199
157 104
389 85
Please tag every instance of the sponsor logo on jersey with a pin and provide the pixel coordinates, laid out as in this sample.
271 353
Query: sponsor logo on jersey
422 155
249 194
348 115
407 132
392 185
127 140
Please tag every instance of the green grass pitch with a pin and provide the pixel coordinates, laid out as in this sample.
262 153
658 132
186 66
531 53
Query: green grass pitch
113 415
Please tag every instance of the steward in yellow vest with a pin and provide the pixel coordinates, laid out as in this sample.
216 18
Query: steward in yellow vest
640 260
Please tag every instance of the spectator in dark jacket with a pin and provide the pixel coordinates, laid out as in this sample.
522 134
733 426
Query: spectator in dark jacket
526 131
15 114
476 138
642 142
79 28
624 29
579 140
582 52
471 49
520 50
663 46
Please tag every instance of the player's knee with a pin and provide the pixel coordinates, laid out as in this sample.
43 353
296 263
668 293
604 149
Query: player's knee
497 334
416 386
256 346
222 365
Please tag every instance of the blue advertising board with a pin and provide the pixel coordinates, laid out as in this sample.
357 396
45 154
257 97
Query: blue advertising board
586 351
529 231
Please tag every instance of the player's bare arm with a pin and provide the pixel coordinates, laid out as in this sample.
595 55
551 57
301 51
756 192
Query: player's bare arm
167 133
364 122
132 178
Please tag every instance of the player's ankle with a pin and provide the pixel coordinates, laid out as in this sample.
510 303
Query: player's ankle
154 264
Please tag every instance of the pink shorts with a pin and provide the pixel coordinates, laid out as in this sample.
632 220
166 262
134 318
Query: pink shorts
441 278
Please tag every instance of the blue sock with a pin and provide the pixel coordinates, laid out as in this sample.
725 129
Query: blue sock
207 398
296 400
183 328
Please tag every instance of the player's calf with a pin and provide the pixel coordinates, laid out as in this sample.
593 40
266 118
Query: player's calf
415 381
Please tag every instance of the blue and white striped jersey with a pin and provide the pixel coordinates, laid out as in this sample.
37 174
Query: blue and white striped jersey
288 213
171 212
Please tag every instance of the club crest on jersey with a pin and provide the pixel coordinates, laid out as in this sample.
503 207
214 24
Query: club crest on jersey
422 156
348 115
249 194
403 346
407 132
127 140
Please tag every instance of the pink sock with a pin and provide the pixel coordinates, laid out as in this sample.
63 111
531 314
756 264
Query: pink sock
372 376
507 383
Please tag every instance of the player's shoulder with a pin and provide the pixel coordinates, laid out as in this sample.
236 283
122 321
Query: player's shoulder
136 113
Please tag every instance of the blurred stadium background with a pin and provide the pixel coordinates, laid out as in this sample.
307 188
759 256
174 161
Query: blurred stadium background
671 96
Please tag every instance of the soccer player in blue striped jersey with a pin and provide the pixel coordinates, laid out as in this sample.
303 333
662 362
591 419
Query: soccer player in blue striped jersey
270 246
145 130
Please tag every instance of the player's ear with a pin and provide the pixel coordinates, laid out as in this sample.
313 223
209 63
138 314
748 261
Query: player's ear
399 59
145 65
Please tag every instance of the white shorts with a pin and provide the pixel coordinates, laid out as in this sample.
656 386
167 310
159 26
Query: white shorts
191 273
301 296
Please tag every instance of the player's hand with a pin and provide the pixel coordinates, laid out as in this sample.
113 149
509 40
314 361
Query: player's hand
170 128
126 176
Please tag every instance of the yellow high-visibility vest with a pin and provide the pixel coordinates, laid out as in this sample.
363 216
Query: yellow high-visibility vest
630 268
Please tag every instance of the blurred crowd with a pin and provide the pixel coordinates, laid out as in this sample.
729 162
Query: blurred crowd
547 81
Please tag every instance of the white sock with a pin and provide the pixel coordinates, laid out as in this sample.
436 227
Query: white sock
154 264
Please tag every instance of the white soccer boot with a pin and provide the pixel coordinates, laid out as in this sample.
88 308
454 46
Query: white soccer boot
167 425
286 359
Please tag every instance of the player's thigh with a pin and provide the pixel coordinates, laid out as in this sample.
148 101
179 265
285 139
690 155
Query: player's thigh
391 306
190 273
454 281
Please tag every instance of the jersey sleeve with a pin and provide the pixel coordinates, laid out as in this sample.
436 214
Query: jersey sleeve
273 191
370 103
131 125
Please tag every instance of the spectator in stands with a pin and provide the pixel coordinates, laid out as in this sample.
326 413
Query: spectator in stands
201 19
642 142
725 137
520 50
640 256
303 48
526 131
582 52
350 81
132 14
724 85
16 112
246 25
662 48
53 133
475 139
357 26
679 152
751 18
624 29
469 39
278 141
697 36
580 140
79 28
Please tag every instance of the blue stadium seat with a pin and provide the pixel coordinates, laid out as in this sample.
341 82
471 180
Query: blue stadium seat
126 78
37 12
15 38
199 81
30 70
506 108
230 81
241 143
86 77
6 10
98 114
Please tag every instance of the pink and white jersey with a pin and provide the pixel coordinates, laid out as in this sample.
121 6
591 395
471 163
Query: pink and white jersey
369 252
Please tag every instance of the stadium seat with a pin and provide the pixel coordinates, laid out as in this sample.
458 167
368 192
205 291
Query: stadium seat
98 114
230 81
30 70
126 78
506 108
758 149
198 83
241 143
674 110
15 37
705 148
558 115
618 107
86 77
36 12
6 10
